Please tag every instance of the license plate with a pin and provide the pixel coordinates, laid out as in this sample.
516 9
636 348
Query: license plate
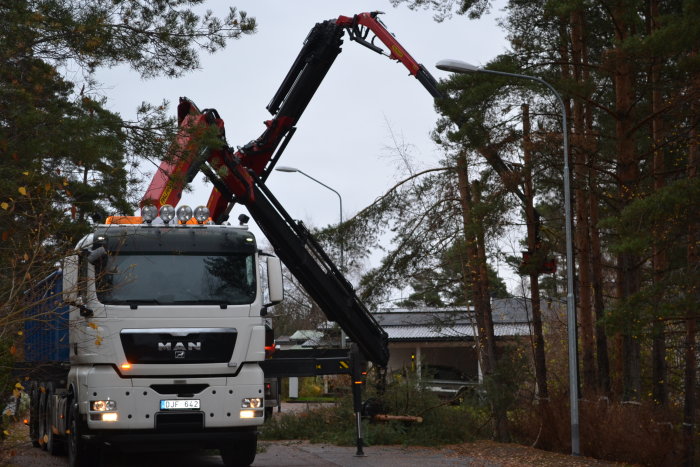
179 404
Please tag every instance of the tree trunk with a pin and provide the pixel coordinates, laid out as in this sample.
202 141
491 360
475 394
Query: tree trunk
628 173
659 256
690 402
585 313
601 340
533 245
474 238
499 411
472 265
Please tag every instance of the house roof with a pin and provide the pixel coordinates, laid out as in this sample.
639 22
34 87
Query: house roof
306 334
511 317
457 332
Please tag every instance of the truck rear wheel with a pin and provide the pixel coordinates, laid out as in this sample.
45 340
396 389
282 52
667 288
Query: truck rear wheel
53 445
41 416
240 453
34 414
80 453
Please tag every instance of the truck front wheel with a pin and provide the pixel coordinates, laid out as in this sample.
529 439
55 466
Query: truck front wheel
239 453
80 453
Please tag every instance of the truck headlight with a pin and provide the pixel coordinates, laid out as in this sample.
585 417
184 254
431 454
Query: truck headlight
251 403
103 406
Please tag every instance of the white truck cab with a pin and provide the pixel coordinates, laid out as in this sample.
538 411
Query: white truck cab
166 334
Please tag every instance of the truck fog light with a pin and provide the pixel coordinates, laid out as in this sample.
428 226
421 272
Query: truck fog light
103 406
251 413
251 403
201 213
167 212
110 417
148 213
184 213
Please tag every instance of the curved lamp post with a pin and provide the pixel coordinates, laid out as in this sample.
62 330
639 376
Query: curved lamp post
459 66
342 243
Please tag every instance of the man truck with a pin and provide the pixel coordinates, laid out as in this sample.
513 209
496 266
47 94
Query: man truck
165 335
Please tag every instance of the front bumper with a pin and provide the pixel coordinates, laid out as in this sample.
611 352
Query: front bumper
138 401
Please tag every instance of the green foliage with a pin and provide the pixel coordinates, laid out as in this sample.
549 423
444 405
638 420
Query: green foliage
442 423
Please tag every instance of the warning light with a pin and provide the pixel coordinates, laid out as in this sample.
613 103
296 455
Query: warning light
126 366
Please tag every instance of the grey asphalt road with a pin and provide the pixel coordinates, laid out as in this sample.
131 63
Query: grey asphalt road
275 454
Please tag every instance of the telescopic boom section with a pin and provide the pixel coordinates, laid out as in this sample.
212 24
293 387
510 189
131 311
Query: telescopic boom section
320 48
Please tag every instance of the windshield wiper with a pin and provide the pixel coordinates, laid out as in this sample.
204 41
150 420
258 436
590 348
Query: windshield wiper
134 304
221 303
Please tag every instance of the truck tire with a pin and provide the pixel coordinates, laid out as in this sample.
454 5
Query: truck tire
240 453
41 416
53 445
80 453
34 414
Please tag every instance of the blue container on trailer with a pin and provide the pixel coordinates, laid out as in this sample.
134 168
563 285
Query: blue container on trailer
46 323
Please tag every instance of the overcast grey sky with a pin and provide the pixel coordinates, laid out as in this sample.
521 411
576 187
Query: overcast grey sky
343 136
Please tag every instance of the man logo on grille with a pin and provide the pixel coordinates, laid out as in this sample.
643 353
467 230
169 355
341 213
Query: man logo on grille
179 348
168 346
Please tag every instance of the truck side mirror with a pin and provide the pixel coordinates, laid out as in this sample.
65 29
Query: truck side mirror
96 255
274 280
70 278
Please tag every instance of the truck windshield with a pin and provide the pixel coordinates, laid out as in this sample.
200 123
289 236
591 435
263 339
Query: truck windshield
167 279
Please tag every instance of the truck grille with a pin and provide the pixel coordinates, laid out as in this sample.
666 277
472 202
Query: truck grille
175 345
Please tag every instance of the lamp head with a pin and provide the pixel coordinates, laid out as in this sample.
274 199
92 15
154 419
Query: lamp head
284 168
457 66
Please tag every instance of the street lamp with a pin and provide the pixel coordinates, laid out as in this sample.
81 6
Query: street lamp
342 262
459 66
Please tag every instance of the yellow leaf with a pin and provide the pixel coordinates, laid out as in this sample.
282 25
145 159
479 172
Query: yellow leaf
22 191
92 325
47 187
26 173
13 350
98 341
19 386
65 182
26 257
15 393
27 276
5 206
5 432
20 333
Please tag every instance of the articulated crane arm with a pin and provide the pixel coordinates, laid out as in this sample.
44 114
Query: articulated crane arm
239 176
